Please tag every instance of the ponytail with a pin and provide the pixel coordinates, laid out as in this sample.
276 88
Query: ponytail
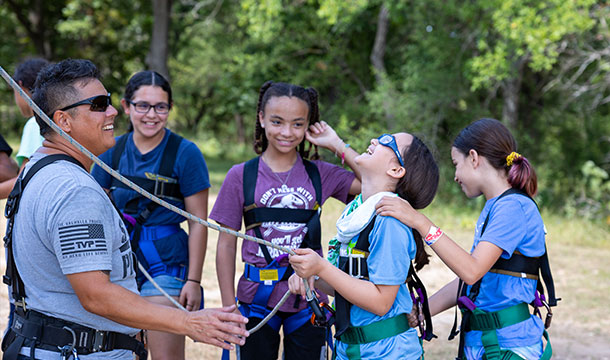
521 175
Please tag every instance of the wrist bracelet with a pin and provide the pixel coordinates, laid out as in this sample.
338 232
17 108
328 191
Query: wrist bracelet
433 235
195 281
343 154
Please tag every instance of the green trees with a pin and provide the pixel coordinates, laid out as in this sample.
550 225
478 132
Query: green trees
430 67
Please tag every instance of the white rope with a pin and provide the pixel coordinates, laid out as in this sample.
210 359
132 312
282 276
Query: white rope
143 192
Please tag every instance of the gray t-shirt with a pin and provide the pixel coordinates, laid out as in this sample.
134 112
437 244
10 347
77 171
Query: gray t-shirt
65 225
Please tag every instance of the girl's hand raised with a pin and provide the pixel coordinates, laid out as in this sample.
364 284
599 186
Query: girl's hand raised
306 262
322 134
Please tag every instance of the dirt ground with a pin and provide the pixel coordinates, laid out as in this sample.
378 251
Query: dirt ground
581 324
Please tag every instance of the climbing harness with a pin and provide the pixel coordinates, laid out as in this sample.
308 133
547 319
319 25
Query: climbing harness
145 239
34 329
137 188
518 265
270 275
354 263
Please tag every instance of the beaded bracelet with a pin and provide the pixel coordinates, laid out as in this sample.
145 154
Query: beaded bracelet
433 235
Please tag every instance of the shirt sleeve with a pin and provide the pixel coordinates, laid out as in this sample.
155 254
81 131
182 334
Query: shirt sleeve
336 181
506 227
391 249
81 230
191 169
102 177
31 140
229 205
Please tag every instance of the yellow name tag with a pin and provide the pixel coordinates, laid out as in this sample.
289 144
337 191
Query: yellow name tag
358 252
269 274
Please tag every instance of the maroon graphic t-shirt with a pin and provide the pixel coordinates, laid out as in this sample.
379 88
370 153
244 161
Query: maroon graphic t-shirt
292 189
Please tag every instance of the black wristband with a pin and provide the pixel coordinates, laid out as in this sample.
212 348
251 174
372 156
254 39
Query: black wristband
195 281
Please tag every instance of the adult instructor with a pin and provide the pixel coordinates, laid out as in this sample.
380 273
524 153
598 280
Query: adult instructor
71 249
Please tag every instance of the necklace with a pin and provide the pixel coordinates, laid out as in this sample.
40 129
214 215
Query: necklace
283 182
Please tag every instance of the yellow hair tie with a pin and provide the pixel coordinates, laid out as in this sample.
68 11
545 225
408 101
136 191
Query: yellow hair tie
512 157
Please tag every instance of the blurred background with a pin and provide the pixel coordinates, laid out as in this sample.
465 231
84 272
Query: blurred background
427 67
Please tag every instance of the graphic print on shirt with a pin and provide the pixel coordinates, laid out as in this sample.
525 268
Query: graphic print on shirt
287 198
128 257
81 238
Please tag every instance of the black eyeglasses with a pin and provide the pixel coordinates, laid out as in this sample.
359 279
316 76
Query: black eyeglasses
98 103
143 107
389 141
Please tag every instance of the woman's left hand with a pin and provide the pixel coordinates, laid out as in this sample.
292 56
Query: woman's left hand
306 262
190 296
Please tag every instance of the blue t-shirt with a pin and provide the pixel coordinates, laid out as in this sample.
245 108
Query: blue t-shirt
391 250
514 224
190 169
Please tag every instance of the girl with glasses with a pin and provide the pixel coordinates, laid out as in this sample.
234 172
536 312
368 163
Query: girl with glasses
509 227
174 169
369 258
278 194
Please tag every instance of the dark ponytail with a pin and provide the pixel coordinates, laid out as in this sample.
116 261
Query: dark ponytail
418 186
277 89
492 140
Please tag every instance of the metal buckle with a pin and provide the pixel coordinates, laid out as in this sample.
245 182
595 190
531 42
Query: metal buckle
102 341
158 193
68 350
350 261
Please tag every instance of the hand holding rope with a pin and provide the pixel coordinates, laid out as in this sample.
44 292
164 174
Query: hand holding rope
153 198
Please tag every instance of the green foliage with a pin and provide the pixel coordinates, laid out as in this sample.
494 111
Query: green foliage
524 29
592 192
445 64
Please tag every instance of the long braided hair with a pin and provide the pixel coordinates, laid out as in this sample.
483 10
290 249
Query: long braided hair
277 89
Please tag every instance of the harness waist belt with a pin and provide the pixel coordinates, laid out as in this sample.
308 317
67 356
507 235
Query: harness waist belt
485 321
57 332
376 331
255 216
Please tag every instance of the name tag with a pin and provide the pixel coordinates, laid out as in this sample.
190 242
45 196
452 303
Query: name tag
268 275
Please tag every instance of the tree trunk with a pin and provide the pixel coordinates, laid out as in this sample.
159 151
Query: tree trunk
377 55
32 17
380 40
239 126
159 41
511 89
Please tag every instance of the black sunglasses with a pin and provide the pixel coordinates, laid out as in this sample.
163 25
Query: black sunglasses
98 103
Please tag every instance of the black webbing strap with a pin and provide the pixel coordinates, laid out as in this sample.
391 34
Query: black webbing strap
38 330
12 277
416 286
255 216
162 185
166 168
342 306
